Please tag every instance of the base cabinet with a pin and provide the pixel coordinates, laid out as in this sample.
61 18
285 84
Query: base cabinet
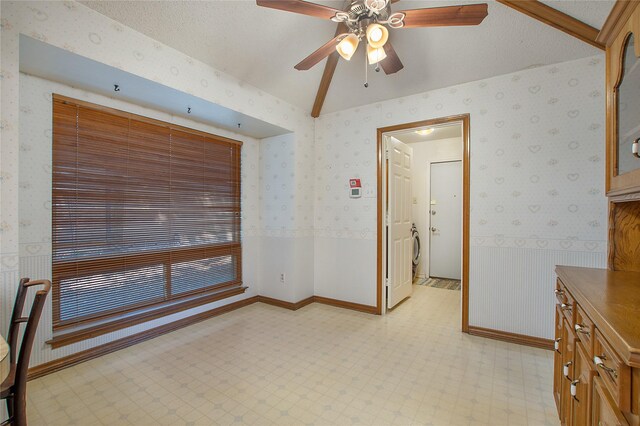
597 359
605 412
581 389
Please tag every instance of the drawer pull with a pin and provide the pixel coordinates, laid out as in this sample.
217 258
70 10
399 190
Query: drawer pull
581 329
598 361
574 388
565 307
565 369
556 344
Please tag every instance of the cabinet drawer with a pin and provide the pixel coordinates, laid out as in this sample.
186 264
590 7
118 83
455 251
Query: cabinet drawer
585 329
614 373
604 410
566 302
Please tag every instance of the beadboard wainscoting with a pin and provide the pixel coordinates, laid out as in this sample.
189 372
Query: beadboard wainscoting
518 283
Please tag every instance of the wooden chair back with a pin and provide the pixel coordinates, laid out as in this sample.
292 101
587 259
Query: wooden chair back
17 397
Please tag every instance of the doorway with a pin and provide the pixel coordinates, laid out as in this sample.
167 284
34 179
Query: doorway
387 181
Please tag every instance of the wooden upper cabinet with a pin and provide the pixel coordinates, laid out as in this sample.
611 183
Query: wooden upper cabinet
623 105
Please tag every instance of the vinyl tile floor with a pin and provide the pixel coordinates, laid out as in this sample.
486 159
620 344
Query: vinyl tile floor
264 365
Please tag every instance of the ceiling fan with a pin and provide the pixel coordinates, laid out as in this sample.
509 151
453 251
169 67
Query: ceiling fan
368 20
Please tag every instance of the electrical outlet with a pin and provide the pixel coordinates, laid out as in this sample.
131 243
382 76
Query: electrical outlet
282 278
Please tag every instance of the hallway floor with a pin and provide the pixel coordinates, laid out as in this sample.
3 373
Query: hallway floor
444 283
318 365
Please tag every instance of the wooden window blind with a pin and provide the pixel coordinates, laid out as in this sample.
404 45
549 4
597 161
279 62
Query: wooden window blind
145 213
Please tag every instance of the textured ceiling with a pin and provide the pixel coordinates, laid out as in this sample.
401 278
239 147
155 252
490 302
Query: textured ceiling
260 46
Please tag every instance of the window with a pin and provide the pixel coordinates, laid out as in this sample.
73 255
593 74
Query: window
146 215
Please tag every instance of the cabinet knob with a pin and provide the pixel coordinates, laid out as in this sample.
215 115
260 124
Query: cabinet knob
556 344
565 307
558 292
599 362
565 369
634 148
574 388
581 329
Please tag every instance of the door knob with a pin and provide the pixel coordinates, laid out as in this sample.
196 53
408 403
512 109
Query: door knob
433 229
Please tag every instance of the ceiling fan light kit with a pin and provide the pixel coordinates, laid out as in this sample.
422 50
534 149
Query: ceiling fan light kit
368 20
347 47
377 35
375 55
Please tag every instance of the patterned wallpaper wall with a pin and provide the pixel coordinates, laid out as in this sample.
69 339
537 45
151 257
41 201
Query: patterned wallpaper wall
537 171
537 183
286 205
74 27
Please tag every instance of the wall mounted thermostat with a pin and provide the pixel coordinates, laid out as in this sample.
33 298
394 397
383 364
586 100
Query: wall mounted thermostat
355 188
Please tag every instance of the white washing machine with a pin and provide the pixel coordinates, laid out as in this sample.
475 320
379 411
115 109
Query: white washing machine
415 236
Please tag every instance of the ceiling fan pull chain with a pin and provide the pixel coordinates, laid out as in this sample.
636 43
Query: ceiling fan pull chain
366 70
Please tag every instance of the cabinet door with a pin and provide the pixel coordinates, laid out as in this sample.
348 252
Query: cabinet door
580 388
605 412
557 360
568 347
623 105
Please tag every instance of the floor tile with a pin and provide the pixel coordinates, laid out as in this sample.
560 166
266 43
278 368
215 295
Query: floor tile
263 365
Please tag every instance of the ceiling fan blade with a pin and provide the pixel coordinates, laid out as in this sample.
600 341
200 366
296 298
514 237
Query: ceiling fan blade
391 64
300 6
327 49
446 16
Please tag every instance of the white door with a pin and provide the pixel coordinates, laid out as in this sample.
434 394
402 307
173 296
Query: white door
399 242
446 220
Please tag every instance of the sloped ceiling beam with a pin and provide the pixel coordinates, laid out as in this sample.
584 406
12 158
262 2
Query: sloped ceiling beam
327 76
556 19
531 8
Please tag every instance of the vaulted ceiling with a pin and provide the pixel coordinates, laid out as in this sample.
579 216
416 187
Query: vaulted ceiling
260 46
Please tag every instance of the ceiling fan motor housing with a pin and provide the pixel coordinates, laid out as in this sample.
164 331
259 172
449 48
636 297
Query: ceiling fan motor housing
360 15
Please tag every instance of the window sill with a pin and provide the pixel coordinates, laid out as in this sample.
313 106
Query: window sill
94 330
